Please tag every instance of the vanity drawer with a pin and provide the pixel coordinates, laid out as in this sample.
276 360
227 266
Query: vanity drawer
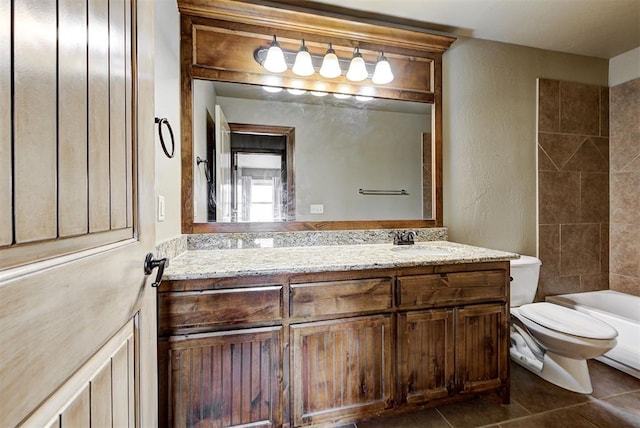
202 310
340 297
452 288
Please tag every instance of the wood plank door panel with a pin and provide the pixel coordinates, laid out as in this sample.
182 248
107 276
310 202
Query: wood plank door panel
117 117
72 106
70 280
341 369
426 354
98 162
6 169
100 394
34 121
482 355
226 379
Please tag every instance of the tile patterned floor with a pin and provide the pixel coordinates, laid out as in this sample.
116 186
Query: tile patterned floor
535 403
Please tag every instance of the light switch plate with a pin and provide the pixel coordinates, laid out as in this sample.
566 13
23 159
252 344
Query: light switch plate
316 209
161 208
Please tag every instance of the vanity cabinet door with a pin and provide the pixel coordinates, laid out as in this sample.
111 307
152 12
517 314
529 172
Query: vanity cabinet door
426 355
226 379
482 354
341 369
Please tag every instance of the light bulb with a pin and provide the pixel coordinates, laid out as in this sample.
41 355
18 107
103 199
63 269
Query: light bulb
363 98
342 96
319 93
382 74
274 62
295 91
303 65
357 69
330 65
272 89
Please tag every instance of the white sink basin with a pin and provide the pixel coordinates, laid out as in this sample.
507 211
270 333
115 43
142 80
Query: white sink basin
421 251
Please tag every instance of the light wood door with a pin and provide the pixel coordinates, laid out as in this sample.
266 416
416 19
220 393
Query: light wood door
341 369
77 314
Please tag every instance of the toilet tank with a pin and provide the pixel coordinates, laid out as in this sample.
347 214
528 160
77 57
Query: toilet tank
525 272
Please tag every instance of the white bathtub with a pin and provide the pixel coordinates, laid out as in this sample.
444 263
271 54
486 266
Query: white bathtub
619 310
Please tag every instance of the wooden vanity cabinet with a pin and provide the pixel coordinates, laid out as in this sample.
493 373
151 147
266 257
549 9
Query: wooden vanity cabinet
341 369
426 357
221 353
226 378
449 340
330 347
482 349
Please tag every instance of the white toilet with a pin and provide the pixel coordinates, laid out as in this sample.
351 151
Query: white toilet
551 340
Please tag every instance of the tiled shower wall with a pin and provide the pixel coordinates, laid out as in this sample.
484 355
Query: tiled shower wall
625 187
573 187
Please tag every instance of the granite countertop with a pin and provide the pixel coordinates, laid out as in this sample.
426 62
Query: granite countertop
197 264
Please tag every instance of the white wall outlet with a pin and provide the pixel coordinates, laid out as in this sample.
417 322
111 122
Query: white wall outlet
316 209
161 208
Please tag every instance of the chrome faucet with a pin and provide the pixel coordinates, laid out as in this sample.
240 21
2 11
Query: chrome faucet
404 237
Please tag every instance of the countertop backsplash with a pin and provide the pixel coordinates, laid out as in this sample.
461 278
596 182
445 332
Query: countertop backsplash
222 241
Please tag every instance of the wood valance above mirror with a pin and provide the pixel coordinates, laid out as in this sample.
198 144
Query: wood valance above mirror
218 39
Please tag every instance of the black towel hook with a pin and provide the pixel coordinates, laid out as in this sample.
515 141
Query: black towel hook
207 173
160 121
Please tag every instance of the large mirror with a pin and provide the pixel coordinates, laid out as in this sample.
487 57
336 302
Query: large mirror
353 159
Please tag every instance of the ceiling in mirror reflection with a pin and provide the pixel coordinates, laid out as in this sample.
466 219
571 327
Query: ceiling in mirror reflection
257 92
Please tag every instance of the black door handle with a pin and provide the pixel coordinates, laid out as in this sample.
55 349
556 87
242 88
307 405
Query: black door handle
150 264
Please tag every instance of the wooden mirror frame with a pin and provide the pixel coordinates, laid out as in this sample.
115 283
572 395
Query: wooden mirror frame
417 66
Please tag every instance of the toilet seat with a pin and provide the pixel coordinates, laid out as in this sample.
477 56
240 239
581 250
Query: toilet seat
567 321
555 340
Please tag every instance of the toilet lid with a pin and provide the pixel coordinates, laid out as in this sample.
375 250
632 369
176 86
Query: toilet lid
567 321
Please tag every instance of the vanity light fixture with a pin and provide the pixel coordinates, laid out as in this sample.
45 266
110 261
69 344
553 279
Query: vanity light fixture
275 62
303 65
330 65
357 69
382 74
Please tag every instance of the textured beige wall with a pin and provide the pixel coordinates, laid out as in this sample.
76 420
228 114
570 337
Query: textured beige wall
167 104
489 132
